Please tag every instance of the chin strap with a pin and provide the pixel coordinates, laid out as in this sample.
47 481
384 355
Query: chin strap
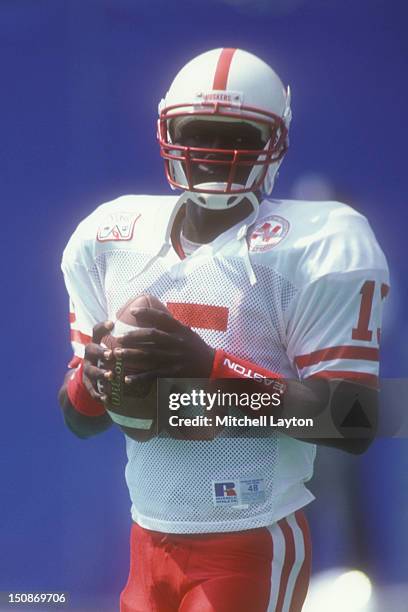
219 201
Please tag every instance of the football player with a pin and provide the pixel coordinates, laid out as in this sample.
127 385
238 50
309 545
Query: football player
254 287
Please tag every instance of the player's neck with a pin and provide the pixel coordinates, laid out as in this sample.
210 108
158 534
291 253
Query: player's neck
202 225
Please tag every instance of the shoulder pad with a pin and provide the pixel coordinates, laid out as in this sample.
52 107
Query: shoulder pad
306 240
128 222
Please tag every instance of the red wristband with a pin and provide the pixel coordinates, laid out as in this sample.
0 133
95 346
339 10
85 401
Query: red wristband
80 398
226 365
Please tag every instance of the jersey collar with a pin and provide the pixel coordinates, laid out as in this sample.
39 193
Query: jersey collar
236 232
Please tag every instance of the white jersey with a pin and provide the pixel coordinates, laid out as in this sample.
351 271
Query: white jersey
297 290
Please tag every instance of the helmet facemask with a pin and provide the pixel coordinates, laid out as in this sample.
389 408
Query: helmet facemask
227 89
218 155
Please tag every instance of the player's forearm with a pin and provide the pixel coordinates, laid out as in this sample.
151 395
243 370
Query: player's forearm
80 424
310 398
315 398
352 409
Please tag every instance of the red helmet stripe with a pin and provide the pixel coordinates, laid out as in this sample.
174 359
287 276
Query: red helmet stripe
222 69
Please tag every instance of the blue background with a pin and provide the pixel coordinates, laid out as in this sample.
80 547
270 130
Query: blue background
80 84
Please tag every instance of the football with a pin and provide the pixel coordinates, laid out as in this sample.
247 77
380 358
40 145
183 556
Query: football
134 411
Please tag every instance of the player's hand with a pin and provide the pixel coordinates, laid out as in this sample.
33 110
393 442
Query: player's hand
162 347
98 363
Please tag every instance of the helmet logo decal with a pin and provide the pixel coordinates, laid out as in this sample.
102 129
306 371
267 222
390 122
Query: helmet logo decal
230 97
268 233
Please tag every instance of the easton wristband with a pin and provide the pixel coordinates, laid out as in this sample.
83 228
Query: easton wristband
226 365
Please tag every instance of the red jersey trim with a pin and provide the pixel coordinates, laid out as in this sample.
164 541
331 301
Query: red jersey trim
338 352
175 232
371 380
77 336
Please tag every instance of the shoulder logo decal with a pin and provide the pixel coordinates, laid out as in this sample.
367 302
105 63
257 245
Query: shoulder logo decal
268 233
117 226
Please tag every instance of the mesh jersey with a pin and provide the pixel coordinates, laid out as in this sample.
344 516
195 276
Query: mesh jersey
302 286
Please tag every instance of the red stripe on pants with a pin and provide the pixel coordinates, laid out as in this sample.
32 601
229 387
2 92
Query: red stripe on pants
303 579
218 572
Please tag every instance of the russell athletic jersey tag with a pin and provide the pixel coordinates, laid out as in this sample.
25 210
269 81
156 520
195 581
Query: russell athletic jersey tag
239 493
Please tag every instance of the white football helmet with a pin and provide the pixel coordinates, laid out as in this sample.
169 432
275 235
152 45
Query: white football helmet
228 86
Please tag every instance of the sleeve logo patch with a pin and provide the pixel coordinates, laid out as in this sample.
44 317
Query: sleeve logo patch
117 227
268 233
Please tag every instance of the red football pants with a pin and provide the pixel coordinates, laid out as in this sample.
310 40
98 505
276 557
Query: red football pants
259 570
